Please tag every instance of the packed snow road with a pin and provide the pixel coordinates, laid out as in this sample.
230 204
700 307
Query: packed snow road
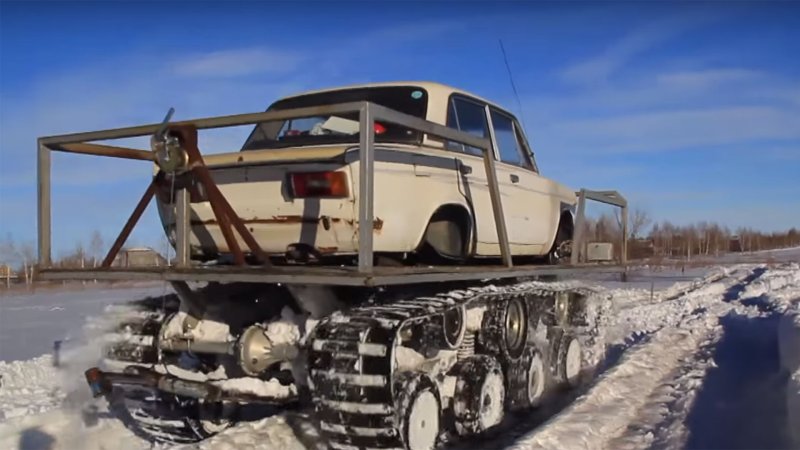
713 363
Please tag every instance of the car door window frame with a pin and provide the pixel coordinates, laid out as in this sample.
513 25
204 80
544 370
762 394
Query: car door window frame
527 151
457 146
519 133
522 144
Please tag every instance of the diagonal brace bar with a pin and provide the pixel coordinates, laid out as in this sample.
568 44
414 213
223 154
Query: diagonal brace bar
223 211
126 230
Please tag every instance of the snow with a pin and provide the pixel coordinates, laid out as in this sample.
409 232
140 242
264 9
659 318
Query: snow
789 347
287 330
622 391
286 432
707 356
789 341
31 323
28 387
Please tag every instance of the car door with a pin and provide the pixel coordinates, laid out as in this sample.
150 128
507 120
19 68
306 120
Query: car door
527 202
470 116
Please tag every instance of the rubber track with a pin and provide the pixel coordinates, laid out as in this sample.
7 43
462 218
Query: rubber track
155 417
351 361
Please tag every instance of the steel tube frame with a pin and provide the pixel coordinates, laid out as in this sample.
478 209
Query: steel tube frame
43 200
613 198
107 150
368 114
327 276
489 156
366 188
182 217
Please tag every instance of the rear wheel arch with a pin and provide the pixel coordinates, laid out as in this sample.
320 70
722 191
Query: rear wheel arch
565 230
449 231
565 223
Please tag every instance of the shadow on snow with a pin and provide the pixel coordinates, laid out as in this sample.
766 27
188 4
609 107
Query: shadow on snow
742 403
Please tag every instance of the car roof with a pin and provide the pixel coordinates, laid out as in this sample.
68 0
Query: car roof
434 89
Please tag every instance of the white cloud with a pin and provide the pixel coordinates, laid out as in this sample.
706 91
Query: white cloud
599 68
136 89
238 62
707 78
671 130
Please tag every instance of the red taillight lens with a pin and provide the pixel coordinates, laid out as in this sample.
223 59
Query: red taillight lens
319 184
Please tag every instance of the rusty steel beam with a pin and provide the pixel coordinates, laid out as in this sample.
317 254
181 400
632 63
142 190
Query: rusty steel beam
238 224
126 230
226 216
106 150
188 138
222 219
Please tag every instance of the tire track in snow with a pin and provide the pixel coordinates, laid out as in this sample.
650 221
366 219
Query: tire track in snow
618 394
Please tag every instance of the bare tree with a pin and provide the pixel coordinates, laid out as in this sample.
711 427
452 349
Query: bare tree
96 247
27 255
7 255
638 220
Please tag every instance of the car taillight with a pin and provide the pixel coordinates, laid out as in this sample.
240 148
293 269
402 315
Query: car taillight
379 129
319 184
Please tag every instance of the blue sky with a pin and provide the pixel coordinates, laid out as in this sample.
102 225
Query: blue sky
692 110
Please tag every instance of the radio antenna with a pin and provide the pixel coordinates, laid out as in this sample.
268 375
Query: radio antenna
513 86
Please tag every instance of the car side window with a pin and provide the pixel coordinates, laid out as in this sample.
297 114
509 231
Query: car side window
508 147
526 150
469 117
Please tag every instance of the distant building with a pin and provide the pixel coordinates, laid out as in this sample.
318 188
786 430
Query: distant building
139 257
6 272
641 248
735 244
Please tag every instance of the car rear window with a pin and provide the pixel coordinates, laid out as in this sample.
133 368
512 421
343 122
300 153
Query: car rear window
340 128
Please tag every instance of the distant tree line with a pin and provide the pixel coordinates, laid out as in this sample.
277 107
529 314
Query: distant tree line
18 259
669 240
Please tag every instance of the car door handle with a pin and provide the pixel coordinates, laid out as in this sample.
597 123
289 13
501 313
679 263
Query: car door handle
514 178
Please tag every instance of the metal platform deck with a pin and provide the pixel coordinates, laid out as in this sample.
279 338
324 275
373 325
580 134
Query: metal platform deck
332 276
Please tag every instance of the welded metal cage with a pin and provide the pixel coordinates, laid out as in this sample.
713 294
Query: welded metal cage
364 273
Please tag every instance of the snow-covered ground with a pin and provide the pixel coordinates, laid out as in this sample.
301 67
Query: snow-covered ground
707 358
31 323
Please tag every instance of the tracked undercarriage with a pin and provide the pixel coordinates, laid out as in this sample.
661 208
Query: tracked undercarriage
299 310
403 368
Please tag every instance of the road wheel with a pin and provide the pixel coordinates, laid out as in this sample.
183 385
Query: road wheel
568 362
479 400
504 331
454 325
527 381
419 406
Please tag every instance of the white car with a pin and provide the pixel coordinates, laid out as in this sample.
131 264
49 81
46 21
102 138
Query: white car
295 184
